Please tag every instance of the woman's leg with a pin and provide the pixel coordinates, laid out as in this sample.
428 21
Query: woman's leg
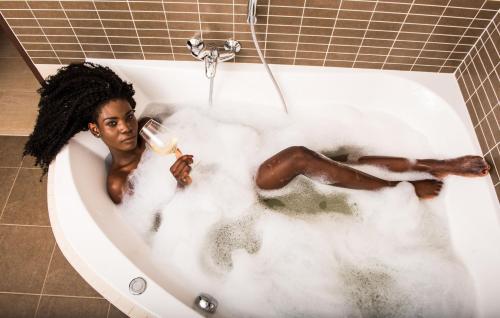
280 169
467 166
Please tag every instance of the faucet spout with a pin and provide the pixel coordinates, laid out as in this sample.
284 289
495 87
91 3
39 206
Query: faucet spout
211 60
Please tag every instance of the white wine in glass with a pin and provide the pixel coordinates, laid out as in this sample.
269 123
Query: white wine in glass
159 138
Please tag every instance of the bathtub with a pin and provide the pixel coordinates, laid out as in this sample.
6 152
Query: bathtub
108 253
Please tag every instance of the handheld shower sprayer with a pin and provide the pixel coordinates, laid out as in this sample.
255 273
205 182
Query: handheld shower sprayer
252 12
252 20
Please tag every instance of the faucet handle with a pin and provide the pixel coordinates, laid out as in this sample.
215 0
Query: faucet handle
195 45
232 46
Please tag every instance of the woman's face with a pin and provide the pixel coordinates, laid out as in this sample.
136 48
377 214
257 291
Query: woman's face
116 125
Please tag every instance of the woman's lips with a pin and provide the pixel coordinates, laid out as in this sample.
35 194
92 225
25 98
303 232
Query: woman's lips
129 139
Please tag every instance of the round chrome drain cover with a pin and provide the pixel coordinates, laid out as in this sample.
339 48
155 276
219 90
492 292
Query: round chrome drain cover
137 286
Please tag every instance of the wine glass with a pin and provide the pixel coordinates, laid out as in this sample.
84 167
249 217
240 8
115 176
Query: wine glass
161 140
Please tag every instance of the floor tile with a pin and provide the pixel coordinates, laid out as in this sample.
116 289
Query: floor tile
27 203
20 110
11 150
13 66
19 82
63 279
7 176
25 255
70 307
116 313
18 306
29 162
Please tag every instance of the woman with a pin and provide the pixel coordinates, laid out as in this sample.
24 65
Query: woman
91 97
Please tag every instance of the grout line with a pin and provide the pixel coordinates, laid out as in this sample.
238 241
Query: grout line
482 82
300 30
168 29
484 44
491 103
103 29
26 225
73 30
465 31
494 67
267 28
484 118
475 43
364 34
43 32
199 19
278 6
45 279
50 295
273 57
275 24
331 34
234 36
274 33
399 32
133 21
277 50
484 135
10 191
430 34
492 148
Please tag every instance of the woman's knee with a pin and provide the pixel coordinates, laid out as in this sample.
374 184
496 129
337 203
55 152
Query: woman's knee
299 155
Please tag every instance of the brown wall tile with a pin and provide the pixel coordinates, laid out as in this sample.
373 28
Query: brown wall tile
424 34
480 86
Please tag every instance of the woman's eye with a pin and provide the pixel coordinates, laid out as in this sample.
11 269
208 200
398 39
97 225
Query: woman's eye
111 123
130 116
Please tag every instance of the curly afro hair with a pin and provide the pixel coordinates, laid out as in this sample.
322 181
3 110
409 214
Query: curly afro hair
69 100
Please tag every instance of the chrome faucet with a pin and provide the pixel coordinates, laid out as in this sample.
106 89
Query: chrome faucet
212 55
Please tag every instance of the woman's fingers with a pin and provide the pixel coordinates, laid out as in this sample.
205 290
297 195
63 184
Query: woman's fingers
181 167
181 162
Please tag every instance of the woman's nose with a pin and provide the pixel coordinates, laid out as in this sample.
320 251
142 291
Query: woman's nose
124 127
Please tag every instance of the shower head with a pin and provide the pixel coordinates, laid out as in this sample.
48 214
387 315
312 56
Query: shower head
252 12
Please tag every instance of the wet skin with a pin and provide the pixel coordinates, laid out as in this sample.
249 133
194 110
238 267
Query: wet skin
118 128
280 169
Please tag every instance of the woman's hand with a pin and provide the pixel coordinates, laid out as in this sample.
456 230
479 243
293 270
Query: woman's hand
181 169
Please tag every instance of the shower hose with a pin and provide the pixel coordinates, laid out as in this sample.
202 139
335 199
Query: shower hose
252 28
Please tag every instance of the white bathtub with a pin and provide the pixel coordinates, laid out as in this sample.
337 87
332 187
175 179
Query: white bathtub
108 254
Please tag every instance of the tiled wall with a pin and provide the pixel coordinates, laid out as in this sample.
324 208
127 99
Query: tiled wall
419 35
479 80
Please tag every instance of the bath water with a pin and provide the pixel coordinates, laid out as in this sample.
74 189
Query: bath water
309 249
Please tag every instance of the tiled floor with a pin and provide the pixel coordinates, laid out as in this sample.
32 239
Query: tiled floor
18 97
37 280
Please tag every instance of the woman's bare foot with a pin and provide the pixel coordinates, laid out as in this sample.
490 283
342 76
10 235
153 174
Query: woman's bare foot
427 189
466 166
